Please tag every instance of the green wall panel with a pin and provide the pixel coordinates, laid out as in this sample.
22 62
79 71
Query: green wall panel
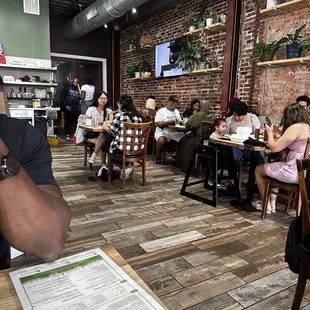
24 35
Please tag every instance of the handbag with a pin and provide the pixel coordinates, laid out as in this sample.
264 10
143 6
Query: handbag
253 142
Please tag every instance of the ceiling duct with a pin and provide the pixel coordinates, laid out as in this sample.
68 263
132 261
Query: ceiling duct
96 15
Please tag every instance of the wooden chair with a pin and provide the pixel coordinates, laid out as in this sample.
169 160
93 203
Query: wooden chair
88 149
135 138
302 166
292 190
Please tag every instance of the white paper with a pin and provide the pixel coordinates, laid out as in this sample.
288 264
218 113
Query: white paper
89 280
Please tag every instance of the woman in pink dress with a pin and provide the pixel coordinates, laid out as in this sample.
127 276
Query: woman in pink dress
296 130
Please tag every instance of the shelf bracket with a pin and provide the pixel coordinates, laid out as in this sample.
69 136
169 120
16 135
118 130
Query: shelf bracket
273 65
304 61
282 11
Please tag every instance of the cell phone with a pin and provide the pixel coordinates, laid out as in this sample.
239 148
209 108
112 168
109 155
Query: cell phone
268 121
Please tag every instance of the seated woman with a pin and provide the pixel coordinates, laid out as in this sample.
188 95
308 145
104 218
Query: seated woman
194 108
189 142
230 106
149 109
241 118
296 130
128 114
102 112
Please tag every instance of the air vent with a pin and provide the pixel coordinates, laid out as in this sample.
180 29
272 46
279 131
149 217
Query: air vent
32 7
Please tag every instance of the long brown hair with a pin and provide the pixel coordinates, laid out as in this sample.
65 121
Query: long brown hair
293 114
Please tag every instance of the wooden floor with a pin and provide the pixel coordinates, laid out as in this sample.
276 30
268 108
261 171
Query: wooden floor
193 256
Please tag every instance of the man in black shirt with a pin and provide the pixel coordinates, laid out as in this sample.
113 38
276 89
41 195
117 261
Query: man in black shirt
34 216
70 98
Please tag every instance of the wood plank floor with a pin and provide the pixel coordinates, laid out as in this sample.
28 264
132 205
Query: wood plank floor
193 256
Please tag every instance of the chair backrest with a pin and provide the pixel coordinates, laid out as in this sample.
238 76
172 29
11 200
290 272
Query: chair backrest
307 149
135 138
206 128
303 165
151 119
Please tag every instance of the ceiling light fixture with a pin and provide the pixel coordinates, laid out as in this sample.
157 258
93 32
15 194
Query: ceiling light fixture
105 26
134 10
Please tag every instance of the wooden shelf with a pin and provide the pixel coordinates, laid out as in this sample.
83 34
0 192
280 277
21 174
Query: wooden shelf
211 70
144 48
285 8
30 84
218 27
28 68
284 62
141 79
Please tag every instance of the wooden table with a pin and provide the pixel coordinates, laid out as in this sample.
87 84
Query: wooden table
181 128
253 162
10 301
92 128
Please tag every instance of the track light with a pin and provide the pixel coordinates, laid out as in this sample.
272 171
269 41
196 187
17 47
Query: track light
134 10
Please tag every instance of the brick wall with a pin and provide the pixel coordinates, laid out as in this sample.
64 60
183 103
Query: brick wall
163 28
274 87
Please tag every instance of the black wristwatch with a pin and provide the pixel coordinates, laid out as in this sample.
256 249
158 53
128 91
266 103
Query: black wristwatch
9 167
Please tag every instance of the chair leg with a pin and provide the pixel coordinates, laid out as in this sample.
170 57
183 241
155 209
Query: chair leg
143 172
298 203
240 175
85 155
301 283
289 202
165 154
91 150
265 200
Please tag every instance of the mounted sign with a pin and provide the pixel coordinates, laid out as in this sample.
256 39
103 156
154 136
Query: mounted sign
32 7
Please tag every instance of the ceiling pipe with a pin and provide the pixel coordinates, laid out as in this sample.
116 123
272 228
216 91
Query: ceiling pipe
96 15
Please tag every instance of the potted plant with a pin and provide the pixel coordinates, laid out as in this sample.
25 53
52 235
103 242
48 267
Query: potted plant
189 25
189 56
137 71
130 71
223 18
210 17
293 49
145 68
272 3
265 51
305 44
212 60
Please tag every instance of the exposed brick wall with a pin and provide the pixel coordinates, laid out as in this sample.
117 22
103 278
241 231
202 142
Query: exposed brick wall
163 28
274 87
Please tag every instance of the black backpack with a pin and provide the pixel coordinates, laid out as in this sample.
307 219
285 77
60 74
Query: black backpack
292 250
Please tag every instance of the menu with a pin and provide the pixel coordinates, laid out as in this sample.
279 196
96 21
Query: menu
89 280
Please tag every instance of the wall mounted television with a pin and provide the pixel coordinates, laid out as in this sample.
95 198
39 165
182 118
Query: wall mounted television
166 55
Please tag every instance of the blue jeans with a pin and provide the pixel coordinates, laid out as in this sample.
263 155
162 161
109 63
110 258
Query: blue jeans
238 154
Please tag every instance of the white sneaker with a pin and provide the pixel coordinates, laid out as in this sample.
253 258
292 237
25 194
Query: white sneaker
68 138
92 158
127 173
101 169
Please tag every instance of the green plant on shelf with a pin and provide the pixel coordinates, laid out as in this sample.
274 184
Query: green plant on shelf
144 66
305 44
211 60
265 51
294 38
189 57
188 23
130 71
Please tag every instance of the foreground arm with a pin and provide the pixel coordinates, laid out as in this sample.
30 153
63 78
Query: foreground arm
34 219
290 135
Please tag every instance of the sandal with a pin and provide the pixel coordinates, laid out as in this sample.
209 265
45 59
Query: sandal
256 204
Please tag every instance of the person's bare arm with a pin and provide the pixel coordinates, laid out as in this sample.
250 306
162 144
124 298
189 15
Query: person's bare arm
33 219
82 95
164 124
290 135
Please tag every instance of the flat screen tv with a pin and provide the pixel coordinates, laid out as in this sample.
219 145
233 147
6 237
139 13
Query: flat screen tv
166 55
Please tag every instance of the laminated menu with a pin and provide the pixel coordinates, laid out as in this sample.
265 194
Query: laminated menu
89 280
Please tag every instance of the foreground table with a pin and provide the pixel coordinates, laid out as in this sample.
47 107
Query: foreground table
92 128
10 301
253 162
181 128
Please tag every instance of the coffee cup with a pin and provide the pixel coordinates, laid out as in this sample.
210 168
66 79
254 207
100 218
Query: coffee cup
88 122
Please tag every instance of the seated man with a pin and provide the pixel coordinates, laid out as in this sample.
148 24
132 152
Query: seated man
34 217
166 116
304 101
